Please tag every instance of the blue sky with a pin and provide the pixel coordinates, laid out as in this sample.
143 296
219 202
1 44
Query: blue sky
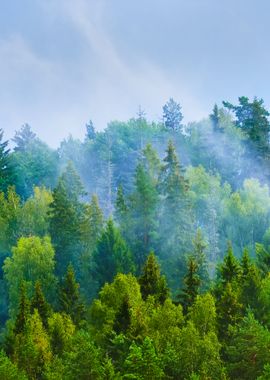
63 62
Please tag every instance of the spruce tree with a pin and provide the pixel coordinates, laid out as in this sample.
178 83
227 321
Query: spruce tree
176 219
24 310
39 302
6 169
69 297
66 215
172 115
191 285
112 255
152 282
230 269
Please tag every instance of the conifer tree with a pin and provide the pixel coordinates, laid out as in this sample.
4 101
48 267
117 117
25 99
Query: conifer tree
230 268
39 302
176 219
152 282
69 297
199 246
172 115
24 310
191 285
6 169
66 214
112 255
144 214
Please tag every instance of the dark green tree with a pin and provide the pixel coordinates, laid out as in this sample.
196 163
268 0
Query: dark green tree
66 216
152 282
112 255
39 302
176 221
24 310
191 285
69 297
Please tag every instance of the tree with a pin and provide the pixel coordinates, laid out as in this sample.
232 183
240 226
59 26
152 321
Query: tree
230 269
32 351
192 284
152 282
90 131
31 260
112 255
39 303
91 228
9 370
6 168
23 138
23 312
143 362
248 350
172 115
214 117
35 163
66 215
252 118
175 218
61 329
69 297
86 361
143 210
199 246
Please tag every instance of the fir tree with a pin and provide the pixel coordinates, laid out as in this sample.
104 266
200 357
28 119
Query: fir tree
6 169
39 302
191 285
69 297
152 282
172 115
24 310
112 255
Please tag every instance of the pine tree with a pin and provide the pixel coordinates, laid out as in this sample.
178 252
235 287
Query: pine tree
172 115
112 255
230 268
39 303
191 285
199 246
66 215
24 310
152 282
6 169
249 283
144 215
23 138
175 216
69 297
215 119
90 131
252 118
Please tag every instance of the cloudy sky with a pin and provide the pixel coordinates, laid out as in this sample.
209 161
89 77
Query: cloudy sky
63 62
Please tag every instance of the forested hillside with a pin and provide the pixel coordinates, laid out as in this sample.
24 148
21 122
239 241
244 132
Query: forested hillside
141 252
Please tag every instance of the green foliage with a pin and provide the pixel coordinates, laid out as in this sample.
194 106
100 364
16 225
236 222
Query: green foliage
142 362
9 370
69 297
191 285
32 260
248 350
152 282
112 255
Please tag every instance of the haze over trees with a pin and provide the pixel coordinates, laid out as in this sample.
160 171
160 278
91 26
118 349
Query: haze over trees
141 252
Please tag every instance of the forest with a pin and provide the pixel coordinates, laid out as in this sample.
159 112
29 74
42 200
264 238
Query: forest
140 252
